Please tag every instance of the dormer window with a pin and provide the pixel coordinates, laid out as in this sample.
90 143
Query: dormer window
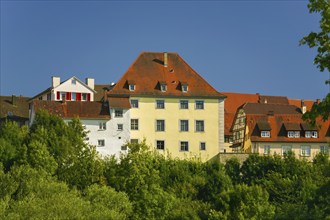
184 87
265 134
311 134
131 87
163 87
293 134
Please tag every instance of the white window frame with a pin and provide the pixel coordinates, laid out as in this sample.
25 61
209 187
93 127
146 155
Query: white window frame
135 126
158 146
324 149
100 142
198 127
163 87
314 134
160 125
265 134
308 134
119 113
286 149
134 103
184 88
290 134
160 104
296 134
184 103
183 125
73 82
199 104
120 127
305 151
102 126
184 148
266 149
131 87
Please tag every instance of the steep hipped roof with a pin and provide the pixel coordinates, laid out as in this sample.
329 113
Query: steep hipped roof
83 110
297 102
148 70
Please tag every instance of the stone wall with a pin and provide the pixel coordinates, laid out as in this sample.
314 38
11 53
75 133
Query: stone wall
223 157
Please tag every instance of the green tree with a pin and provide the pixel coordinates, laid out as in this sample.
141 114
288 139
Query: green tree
232 167
321 41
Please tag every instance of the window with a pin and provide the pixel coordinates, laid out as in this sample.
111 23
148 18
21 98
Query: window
305 151
184 88
73 96
293 134
228 139
101 143
131 87
200 125
102 126
199 104
134 103
202 146
266 149
314 134
160 104
163 87
265 133
134 141
184 146
120 127
73 82
84 97
124 148
184 104
286 149
308 134
160 125
134 124
324 149
160 145
49 96
184 125
118 113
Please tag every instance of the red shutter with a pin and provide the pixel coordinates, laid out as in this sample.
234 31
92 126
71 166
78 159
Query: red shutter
78 96
58 97
88 97
68 96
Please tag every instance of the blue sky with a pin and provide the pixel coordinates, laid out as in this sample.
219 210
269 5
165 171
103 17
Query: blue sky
237 46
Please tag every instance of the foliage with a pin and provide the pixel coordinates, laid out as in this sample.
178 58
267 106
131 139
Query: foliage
49 172
320 40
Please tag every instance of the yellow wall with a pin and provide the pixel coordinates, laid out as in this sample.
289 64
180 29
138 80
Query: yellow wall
172 114
276 148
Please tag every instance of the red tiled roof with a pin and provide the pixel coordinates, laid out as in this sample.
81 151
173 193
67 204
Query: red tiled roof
297 102
235 100
264 109
274 99
118 102
149 69
83 110
280 124
20 107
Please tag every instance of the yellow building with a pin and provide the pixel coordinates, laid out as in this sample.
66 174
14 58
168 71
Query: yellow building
172 107
269 129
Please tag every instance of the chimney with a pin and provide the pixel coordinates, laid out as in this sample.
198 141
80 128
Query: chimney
55 81
265 101
90 82
303 107
165 59
13 99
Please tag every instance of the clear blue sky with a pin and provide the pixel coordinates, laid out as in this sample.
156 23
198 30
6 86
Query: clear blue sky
237 46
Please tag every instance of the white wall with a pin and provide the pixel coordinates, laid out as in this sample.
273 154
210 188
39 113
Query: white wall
68 87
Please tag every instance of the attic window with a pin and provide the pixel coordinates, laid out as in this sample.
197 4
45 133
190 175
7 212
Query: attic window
265 134
131 87
184 87
293 134
73 82
311 134
163 87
